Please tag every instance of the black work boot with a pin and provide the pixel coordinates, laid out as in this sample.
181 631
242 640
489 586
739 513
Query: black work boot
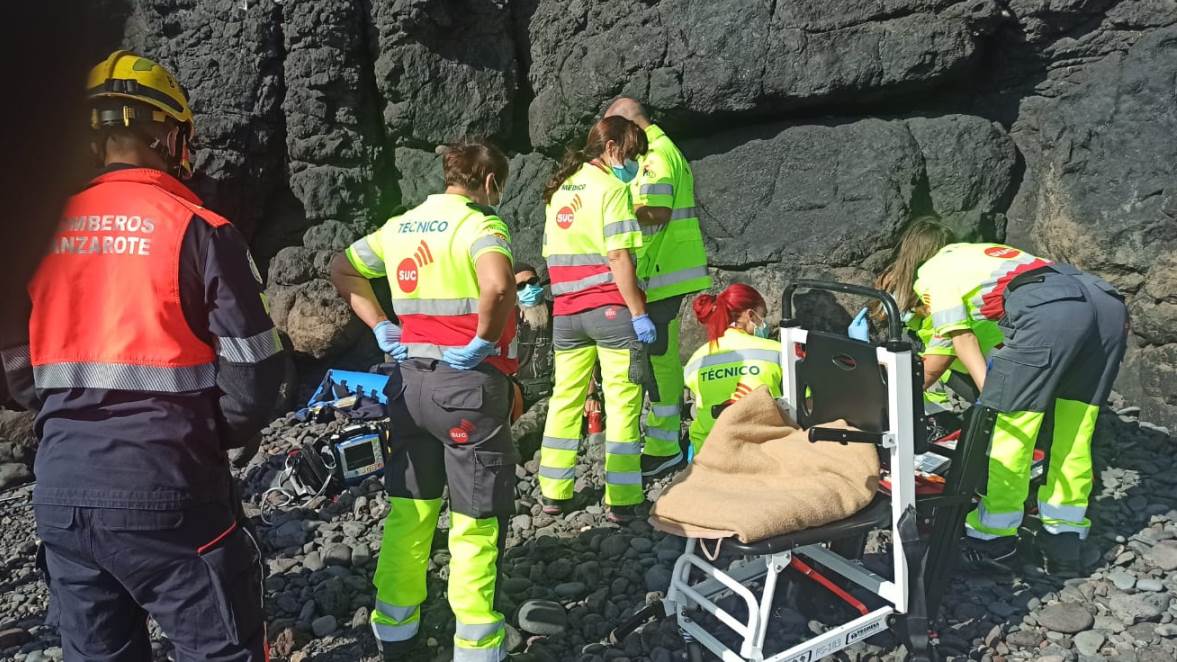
656 466
555 506
621 514
397 651
993 555
1062 554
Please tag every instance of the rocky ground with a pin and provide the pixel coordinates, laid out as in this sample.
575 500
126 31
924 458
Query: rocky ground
321 557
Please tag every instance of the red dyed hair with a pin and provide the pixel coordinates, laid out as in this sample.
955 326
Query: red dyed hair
716 313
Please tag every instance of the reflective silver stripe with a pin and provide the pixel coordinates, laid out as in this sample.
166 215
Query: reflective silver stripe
581 260
683 212
404 632
435 306
557 474
665 411
482 243
124 377
426 350
950 316
940 341
561 444
477 631
362 250
254 349
998 520
676 277
571 286
496 654
1067 528
622 227
734 356
979 535
396 612
623 477
662 435
1064 513
623 447
656 189
16 358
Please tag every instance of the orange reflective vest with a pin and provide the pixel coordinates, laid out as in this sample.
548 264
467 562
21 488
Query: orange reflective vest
115 263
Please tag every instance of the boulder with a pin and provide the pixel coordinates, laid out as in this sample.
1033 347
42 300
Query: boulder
1098 194
17 441
320 323
699 59
230 61
444 69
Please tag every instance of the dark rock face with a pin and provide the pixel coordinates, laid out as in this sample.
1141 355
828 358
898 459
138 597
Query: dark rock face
695 57
815 129
1100 194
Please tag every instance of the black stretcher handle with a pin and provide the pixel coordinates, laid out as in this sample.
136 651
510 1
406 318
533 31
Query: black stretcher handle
844 436
894 325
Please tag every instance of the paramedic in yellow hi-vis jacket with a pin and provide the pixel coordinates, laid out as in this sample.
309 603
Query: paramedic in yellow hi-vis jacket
1064 333
737 358
448 261
599 314
672 263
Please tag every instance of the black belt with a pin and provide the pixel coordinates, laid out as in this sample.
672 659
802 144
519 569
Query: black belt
1032 276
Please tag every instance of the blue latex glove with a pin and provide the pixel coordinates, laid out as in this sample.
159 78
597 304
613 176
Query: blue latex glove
468 357
388 336
645 329
859 328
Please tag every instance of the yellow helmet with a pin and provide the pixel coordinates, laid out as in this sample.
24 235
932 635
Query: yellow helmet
127 76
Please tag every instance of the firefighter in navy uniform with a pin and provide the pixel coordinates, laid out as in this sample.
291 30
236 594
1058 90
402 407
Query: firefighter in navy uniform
448 261
149 354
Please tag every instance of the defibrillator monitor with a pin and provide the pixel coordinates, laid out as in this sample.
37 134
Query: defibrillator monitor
359 453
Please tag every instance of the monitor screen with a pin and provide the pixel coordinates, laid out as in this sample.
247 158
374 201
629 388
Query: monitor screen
360 453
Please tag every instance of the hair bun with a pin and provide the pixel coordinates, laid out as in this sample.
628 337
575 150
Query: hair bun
705 306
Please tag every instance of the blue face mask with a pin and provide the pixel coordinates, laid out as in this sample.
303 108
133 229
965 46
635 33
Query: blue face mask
530 295
762 330
626 172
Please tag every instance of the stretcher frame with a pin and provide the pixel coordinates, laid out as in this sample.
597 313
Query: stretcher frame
925 529
683 596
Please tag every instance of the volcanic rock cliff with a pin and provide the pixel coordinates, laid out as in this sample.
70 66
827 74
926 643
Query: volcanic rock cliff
816 129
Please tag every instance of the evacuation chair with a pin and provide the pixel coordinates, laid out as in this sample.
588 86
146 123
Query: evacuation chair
876 388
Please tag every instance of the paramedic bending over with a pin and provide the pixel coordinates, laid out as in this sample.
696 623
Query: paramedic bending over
942 368
1064 333
737 358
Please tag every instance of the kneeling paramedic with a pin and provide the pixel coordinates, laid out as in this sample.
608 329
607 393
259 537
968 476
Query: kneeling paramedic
1065 334
449 264
737 358
151 354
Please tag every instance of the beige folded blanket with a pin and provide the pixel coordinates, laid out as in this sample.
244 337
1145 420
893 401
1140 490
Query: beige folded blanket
758 476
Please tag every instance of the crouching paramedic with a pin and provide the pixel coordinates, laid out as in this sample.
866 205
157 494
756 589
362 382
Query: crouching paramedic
1065 334
737 358
600 314
151 353
449 264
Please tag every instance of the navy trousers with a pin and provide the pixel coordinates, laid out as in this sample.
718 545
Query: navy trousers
197 572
